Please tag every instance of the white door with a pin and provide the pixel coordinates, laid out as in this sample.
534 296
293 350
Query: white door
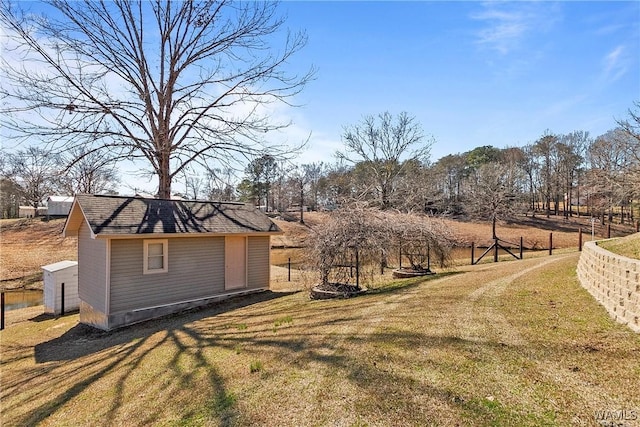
235 262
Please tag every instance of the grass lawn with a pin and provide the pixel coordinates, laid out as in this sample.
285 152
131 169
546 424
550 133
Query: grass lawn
628 246
515 343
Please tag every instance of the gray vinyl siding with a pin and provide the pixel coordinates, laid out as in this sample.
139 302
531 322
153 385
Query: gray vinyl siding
196 270
258 262
92 273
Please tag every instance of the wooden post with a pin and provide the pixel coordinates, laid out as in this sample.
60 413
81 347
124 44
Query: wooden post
357 269
608 231
62 300
520 247
400 258
2 311
580 239
495 250
351 267
472 254
289 268
381 262
637 226
550 243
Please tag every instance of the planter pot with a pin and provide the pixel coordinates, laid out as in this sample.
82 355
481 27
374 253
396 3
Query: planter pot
407 273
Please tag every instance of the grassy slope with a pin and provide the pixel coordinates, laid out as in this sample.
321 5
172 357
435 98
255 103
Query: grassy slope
514 343
28 244
628 246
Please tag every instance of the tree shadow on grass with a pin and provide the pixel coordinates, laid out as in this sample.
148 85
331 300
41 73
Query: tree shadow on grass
318 337
400 285
83 355
82 340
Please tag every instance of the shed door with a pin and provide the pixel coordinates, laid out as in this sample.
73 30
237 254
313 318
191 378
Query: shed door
235 262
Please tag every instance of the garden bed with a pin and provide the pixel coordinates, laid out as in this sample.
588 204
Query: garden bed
335 290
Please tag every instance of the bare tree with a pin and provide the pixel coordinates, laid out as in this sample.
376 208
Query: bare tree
10 195
218 184
88 173
314 172
381 145
36 172
493 196
608 159
631 128
171 83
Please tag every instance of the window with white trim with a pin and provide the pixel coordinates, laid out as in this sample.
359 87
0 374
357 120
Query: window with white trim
156 256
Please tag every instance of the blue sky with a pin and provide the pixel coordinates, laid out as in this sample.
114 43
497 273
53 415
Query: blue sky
472 73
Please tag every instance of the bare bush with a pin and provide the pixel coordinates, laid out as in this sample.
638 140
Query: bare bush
421 238
367 237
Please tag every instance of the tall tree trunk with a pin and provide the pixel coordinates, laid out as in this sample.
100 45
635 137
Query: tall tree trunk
164 177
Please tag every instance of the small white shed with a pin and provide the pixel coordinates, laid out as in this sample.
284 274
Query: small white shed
55 276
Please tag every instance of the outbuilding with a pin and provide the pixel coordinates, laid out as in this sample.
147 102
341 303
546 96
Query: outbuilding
59 205
31 212
61 287
141 258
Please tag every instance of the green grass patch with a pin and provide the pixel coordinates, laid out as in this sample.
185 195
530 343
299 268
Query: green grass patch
256 366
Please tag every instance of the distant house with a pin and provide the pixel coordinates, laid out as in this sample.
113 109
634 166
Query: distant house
142 258
30 211
59 205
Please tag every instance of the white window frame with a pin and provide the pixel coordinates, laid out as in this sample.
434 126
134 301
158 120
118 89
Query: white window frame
165 256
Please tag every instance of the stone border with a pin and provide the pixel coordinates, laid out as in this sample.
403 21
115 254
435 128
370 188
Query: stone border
320 294
614 281
408 273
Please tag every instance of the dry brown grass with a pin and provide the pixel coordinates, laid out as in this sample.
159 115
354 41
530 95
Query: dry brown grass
28 244
513 343
534 231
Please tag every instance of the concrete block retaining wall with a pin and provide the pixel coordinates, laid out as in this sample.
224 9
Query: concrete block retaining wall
614 281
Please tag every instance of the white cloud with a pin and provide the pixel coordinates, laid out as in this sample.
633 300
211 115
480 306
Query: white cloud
508 24
615 64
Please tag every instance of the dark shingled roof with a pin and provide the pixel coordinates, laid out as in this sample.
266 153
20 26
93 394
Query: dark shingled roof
116 215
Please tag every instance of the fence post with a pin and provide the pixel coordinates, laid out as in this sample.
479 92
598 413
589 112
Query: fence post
62 300
580 239
289 270
351 267
550 243
637 226
2 311
357 269
608 231
472 254
521 247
